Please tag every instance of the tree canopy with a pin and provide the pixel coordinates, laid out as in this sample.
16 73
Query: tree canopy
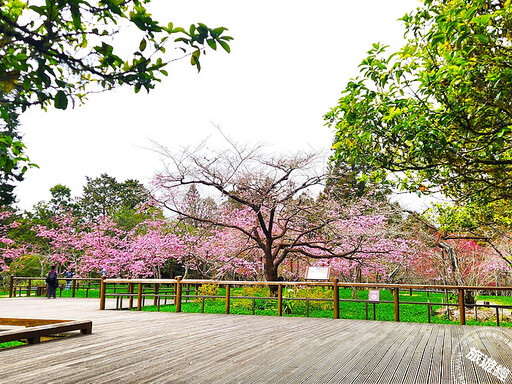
268 209
104 195
55 52
437 113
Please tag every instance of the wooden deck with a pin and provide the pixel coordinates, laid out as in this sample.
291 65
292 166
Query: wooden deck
150 347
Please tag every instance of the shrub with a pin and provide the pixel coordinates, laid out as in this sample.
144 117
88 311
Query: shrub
208 290
252 291
296 306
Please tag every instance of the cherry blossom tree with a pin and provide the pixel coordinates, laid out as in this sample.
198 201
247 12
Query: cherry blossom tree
10 249
269 203
102 244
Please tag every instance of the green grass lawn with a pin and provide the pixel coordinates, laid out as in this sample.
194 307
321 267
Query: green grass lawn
11 344
502 300
348 309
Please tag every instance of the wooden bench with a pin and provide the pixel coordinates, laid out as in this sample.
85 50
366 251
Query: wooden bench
37 328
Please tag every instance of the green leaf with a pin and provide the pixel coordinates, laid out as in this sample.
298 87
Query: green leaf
194 59
61 100
225 46
212 44
484 39
142 45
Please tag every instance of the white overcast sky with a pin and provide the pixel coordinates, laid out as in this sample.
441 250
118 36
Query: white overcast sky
289 62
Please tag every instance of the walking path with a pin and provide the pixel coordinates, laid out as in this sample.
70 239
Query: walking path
158 347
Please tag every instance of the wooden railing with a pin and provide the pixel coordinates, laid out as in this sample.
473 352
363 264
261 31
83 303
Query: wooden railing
179 289
25 285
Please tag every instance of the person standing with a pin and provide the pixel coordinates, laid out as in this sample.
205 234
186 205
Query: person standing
52 283
69 274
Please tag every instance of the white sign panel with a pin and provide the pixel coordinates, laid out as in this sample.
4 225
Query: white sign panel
373 295
318 273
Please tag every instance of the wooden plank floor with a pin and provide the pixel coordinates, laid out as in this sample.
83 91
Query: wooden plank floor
149 347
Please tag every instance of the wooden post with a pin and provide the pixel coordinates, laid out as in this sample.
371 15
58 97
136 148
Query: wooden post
397 304
497 316
178 294
462 311
139 296
228 296
279 300
29 287
102 293
428 311
73 288
196 287
11 286
336 298
130 291
156 293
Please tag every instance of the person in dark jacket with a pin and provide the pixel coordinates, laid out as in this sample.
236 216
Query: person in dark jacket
52 283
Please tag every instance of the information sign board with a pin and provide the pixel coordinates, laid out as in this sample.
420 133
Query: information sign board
318 273
373 295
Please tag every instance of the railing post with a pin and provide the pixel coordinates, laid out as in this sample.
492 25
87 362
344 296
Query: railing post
29 287
397 304
73 288
336 298
102 293
462 311
156 293
11 286
139 296
130 291
178 294
228 297
279 300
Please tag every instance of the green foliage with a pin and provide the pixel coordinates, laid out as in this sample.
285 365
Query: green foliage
104 195
299 306
208 290
245 305
29 266
56 52
438 110
346 182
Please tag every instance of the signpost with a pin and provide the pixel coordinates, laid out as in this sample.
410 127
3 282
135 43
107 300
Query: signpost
373 295
318 273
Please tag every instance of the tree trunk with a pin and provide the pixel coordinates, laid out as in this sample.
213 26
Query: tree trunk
354 289
469 297
271 275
